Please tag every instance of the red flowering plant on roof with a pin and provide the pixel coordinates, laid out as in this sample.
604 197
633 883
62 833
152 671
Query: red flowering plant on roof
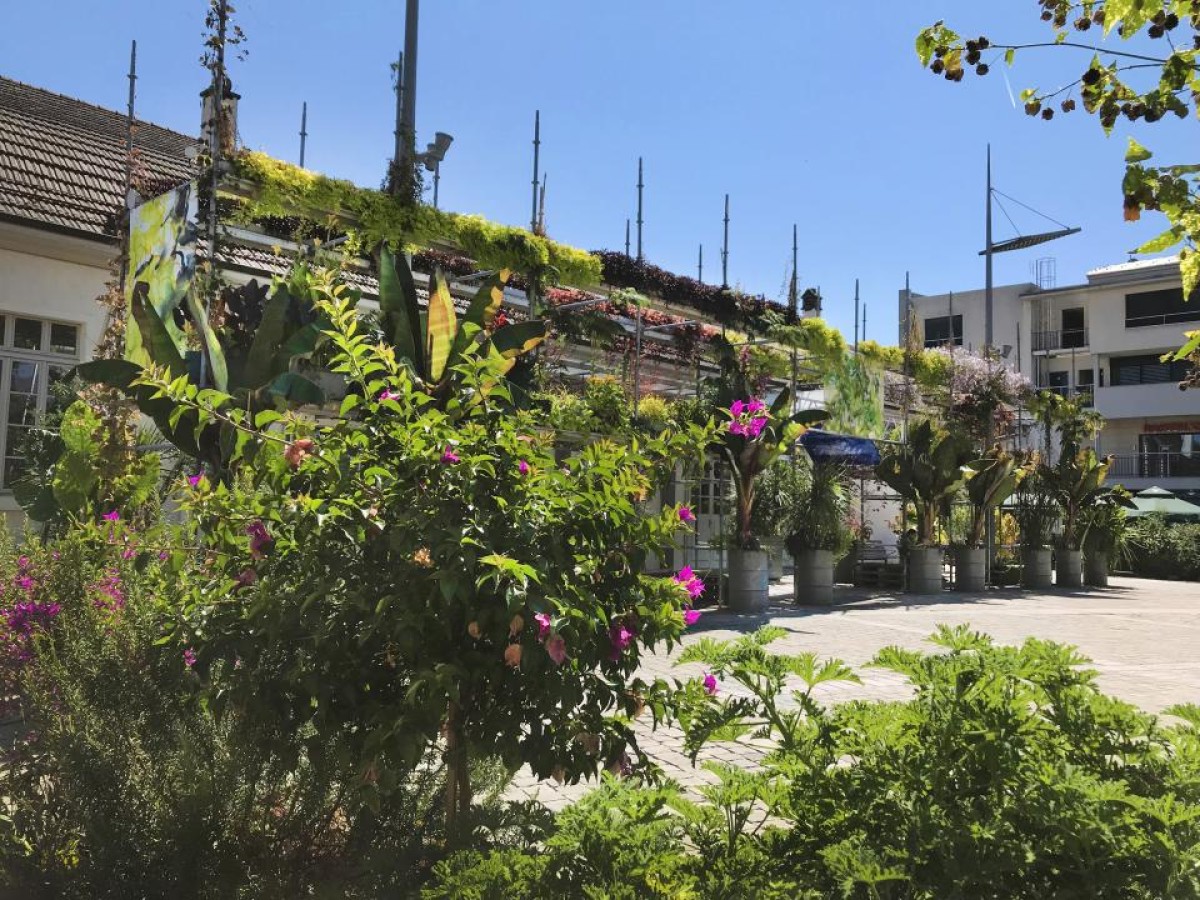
432 577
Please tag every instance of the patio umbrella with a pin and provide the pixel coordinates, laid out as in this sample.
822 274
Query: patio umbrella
1161 501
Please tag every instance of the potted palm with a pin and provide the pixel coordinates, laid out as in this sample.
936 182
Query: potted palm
1037 515
755 437
1075 483
818 533
1104 524
779 489
926 472
991 480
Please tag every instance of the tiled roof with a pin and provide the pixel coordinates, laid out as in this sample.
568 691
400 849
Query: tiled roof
62 161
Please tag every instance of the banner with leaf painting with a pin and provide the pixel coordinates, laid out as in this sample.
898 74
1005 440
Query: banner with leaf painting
854 398
162 263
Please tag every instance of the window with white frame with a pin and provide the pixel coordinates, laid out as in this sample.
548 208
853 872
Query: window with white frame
34 355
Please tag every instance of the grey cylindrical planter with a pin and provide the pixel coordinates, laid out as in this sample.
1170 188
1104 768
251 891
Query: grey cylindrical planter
1068 569
774 548
970 569
814 577
1037 570
1095 568
925 570
748 580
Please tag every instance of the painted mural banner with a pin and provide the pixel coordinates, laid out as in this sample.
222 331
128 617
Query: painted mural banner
854 399
162 262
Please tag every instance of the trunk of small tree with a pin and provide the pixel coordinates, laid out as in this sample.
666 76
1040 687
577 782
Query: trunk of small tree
458 774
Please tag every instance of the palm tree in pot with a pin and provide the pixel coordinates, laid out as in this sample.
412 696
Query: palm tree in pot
1037 516
991 480
926 471
818 531
1076 482
1104 524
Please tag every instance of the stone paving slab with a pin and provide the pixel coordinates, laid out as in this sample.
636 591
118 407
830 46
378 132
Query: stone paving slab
1143 637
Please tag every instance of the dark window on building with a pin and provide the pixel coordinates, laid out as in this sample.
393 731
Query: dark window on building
937 331
1160 308
1085 378
1074 334
1128 370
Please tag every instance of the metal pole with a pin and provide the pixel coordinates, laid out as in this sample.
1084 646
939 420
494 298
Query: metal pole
627 238
640 186
214 150
409 124
129 122
398 151
988 255
700 266
303 131
537 148
637 359
793 304
864 328
856 302
437 177
725 248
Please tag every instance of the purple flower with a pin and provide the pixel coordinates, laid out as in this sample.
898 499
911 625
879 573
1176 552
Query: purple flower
23 563
449 457
691 617
189 657
260 538
523 467
194 480
113 516
26 617
619 637
710 684
691 582
755 405
387 394
686 514
112 595
557 648
129 552
738 407
543 620
25 583
756 426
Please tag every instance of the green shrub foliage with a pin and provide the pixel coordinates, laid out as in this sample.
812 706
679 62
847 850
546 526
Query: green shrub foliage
1161 549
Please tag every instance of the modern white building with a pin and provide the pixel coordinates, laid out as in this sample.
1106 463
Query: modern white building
1103 340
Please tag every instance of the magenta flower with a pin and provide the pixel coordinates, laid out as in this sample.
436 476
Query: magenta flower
756 426
129 552
691 617
739 428
449 457
23 563
543 620
113 516
194 480
686 514
738 407
691 582
189 657
523 467
557 648
710 684
388 395
112 594
25 583
619 637
260 538
755 405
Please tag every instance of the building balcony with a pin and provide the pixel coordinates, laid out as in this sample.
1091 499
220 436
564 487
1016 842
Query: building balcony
1155 467
1143 401
1070 339
1085 395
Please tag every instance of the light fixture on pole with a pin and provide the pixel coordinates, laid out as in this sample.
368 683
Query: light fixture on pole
432 158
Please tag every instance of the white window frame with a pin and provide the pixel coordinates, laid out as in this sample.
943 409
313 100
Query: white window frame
42 358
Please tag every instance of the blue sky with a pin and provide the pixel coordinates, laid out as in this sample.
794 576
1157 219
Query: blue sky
817 114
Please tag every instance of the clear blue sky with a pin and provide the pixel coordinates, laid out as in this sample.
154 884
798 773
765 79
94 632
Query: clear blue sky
811 113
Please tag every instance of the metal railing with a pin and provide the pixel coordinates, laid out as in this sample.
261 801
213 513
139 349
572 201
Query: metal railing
1060 340
1171 318
1085 394
1155 465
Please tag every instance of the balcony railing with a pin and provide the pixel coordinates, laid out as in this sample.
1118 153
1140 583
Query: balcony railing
1084 394
1171 318
1060 340
1155 465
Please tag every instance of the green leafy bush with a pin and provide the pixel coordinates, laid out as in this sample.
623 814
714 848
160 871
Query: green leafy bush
1161 549
609 404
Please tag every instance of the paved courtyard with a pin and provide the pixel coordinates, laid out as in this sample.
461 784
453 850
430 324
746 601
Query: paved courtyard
1143 636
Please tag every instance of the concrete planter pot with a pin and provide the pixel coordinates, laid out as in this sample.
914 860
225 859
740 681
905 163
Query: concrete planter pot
1095 568
1037 569
1068 571
970 569
925 570
749 580
775 552
814 577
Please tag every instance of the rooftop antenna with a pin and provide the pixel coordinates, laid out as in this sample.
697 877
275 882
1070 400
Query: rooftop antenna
303 131
398 152
541 229
864 328
725 249
856 302
700 266
626 238
537 147
640 186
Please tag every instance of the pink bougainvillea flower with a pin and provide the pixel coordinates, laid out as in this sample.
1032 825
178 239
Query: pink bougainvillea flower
113 516
691 582
111 592
691 617
297 451
740 428
684 575
189 657
25 583
756 426
246 578
710 684
129 552
543 620
387 394
22 563
557 648
754 405
449 457
619 637
686 514
523 467
738 407
260 538
194 480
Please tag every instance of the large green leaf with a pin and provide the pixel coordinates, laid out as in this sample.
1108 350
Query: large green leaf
401 313
217 368
488 299
261 364
156 340
114 373
513 340
441 328
295 388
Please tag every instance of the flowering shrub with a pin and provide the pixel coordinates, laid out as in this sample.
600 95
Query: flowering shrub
432 575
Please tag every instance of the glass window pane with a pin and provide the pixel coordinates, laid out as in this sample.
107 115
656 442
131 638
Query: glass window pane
3 328
14 468
24 377
27 335
60 395
22 409
64 339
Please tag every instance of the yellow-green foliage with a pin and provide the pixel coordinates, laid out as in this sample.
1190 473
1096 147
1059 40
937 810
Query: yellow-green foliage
283 190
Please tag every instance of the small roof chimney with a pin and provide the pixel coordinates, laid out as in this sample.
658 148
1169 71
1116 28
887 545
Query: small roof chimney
229 123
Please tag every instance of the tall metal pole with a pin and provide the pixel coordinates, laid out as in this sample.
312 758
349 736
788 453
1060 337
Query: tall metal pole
640 187
793 305
856 302
398 152
129 122
626 238
214 149
409 123
537 147
700 266
725 248
864 329
437 177
303 131
988 255
637 359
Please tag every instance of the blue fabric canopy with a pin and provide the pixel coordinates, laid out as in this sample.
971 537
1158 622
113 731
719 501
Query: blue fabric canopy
823 446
